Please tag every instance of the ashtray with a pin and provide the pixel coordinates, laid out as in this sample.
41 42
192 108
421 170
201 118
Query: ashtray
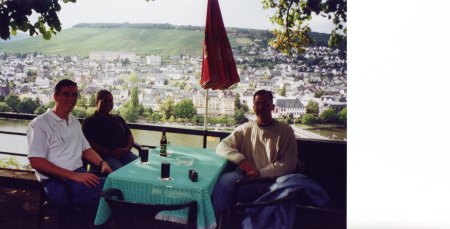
185 161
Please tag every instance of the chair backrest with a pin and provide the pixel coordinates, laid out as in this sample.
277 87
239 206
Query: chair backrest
138 215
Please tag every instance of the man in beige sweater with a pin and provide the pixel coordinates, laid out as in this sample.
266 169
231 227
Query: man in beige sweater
261 148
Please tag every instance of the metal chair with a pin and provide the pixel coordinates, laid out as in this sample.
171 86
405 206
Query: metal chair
233 218
65 211
138 215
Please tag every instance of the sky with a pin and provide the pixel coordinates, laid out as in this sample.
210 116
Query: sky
236 13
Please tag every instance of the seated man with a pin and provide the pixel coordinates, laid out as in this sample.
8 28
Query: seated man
56 147
261 148
109 134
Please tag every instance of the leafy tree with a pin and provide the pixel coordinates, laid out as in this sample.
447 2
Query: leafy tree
92 101
197 119
90 111
154 117
342 116
82 102
28 105
13 102
129 113
239 117
309 119
312 108
79 112
5 108
293 17
283 90
167 108
328 115
134 97
237 102
133 78
14 16
2 98
172 119
50 104
40 110
185 109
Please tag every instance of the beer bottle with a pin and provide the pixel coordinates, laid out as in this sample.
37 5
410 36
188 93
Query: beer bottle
163 144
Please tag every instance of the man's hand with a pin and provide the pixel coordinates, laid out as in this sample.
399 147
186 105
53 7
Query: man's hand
248 169
88 179
105 168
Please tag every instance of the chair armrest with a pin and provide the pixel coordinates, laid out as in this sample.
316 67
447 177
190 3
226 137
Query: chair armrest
137 146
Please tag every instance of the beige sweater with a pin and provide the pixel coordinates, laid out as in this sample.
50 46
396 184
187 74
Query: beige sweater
272 149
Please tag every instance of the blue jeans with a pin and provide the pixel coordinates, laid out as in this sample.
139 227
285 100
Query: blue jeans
81 194
116 163
221 197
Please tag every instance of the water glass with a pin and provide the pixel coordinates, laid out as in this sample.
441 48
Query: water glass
144 155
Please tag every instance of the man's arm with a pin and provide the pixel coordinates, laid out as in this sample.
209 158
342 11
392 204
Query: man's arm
229 147
92 156
45 166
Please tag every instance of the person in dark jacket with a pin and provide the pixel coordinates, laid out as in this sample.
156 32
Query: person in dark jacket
109 134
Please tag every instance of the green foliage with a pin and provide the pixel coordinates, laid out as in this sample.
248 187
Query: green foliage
293 17
82 102
13 102
167 108
28 105
11 163
134 98
2 98
90 111
328 115
4 107
133 78
283 90
197 119
172 119
312 108
50 104
237 102
154 117
92 101
309 119
185 109
239 116
40 110
342 116
79 112
14 16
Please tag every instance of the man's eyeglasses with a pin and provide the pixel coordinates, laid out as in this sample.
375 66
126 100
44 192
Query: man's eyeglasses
68 94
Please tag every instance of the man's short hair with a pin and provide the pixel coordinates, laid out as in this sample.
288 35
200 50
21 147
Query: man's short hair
64 83
101 93
263 92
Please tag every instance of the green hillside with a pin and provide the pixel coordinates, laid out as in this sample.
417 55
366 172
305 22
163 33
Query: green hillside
143 39
81 41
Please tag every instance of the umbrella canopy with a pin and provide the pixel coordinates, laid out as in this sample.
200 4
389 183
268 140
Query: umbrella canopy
218 66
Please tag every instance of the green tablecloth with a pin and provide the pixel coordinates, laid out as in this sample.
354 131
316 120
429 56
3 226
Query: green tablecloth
141 183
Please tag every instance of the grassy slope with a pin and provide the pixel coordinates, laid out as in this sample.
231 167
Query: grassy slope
81 41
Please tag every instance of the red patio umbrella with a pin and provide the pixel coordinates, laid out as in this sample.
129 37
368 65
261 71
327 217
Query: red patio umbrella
218 66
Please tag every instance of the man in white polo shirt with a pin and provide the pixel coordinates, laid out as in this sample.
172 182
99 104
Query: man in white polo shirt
56 149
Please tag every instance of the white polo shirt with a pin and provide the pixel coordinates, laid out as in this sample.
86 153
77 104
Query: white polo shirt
50 137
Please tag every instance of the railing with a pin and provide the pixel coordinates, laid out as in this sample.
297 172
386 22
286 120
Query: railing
147 127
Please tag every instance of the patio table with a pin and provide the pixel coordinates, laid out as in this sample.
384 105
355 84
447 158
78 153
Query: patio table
141 183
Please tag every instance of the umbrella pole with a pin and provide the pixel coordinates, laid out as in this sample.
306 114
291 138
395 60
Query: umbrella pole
205 119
